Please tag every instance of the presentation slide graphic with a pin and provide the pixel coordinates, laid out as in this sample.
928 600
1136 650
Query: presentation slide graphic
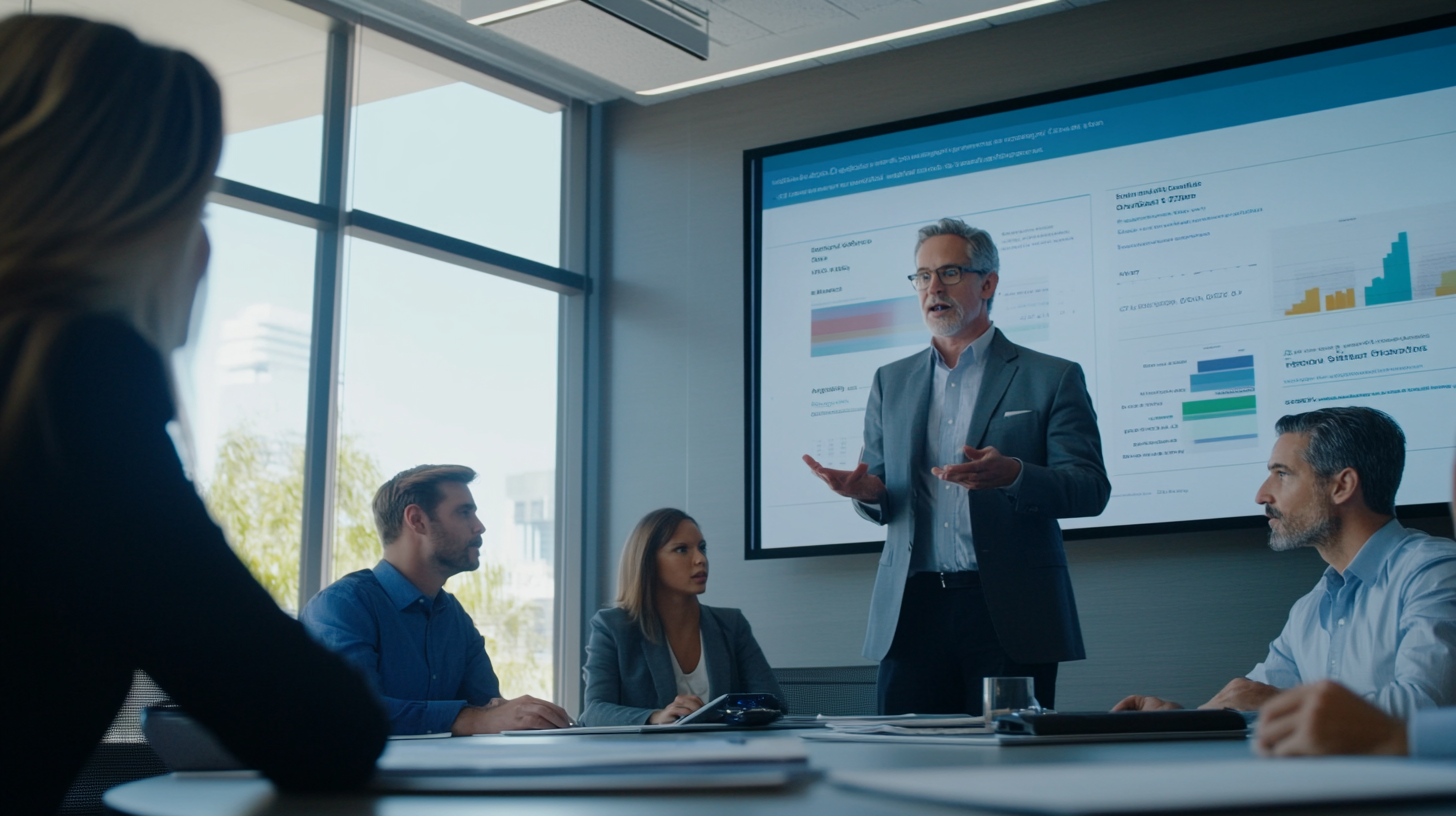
879 324
1385 258
1222 420
1184 404
1227 372
1209 279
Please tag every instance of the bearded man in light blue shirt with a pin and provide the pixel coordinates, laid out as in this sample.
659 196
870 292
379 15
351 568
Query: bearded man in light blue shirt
1382 620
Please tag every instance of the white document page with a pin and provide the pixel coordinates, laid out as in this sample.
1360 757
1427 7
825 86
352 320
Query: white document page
1162 787
497 755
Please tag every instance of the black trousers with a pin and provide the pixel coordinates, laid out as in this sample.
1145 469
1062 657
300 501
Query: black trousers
944 646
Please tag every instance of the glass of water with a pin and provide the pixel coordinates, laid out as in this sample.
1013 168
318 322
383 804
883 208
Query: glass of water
1007 695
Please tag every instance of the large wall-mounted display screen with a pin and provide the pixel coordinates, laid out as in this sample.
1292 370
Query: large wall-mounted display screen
1240 241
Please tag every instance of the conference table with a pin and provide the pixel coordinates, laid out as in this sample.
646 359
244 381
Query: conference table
238 793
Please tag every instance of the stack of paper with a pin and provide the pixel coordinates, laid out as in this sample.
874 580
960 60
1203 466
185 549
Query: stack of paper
912 724
957 729
496 764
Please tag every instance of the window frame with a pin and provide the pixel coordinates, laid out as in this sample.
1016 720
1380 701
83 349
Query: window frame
579 315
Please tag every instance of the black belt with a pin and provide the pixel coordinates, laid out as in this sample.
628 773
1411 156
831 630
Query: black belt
951 580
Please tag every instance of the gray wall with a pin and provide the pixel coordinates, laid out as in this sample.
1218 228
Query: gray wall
1171 615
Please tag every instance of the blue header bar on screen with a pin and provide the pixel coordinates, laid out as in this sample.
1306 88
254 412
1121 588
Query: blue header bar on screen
1348 76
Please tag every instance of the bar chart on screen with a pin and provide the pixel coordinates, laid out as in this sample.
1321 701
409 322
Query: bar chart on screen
1189 402
1362 261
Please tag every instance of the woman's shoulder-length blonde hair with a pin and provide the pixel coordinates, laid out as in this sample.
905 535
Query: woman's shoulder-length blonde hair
104 142
637 572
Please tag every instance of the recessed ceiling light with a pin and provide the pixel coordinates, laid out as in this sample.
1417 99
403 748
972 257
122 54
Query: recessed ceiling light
515 12
837 49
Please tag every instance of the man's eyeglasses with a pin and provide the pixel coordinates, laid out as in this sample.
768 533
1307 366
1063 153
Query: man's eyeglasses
949 275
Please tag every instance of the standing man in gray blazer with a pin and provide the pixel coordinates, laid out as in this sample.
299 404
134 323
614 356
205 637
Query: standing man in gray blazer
973 449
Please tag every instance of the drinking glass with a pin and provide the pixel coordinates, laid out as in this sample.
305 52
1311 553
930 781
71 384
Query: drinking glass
1005 695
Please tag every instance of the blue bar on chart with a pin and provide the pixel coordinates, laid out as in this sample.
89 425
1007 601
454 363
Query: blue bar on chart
1395 285
1223 374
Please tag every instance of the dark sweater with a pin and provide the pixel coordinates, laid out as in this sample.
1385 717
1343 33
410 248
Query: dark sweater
111 564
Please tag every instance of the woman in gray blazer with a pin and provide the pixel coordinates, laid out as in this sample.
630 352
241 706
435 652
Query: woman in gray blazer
659 654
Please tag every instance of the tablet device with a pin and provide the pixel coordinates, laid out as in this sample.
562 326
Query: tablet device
712 711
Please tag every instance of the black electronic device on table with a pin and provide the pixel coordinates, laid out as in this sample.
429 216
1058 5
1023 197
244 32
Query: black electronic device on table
1102 726
752 709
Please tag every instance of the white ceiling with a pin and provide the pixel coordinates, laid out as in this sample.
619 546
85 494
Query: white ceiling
743 33
268 54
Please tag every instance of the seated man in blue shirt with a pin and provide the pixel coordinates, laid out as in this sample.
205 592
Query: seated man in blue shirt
1326 718
409 636
1382 620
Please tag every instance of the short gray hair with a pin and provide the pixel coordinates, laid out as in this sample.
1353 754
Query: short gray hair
981 251
981 254
1364 439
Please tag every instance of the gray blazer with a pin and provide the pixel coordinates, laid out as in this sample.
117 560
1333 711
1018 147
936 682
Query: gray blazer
1031 406
628 676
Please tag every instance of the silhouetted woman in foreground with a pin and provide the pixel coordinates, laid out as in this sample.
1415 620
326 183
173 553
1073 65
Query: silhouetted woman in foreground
111 563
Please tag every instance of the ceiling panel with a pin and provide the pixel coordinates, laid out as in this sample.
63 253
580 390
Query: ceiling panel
744 33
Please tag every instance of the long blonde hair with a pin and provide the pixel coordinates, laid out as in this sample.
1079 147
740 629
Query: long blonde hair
637 572
105 141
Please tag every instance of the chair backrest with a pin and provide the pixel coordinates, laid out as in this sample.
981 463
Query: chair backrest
122 755
832 691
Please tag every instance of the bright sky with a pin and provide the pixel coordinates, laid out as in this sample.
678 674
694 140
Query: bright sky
440 363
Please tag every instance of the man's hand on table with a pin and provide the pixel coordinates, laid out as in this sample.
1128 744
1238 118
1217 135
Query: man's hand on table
1326 718
857 484
1145 702
984 468
1242 694
524 713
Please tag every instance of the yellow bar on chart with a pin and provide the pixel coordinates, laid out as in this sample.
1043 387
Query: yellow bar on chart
1340 300
1310 304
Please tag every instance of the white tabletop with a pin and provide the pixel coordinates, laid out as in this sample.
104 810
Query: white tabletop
236 795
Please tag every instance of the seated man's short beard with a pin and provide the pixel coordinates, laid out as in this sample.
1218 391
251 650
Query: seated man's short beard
1314 532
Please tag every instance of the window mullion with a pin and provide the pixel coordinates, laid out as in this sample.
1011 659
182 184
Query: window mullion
320 446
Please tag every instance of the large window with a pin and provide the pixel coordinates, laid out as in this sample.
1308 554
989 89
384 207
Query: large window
245 376
441 147
445 365
383 292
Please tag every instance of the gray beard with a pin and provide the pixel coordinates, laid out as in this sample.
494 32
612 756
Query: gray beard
1315 534
945 328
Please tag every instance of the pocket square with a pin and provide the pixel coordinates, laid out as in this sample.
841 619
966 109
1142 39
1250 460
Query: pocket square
1015 413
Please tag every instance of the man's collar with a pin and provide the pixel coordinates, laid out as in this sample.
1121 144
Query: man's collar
1367 562
401 592
977 349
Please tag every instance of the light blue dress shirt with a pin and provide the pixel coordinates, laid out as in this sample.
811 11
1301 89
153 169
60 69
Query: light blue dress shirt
423 656
1386 628
943 537
1432 734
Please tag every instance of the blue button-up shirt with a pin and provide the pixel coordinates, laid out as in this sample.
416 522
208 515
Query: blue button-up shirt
1432 734
1386 627
943 538
424 656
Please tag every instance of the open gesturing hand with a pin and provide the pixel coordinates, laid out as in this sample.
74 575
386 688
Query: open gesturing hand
858 484
983 469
